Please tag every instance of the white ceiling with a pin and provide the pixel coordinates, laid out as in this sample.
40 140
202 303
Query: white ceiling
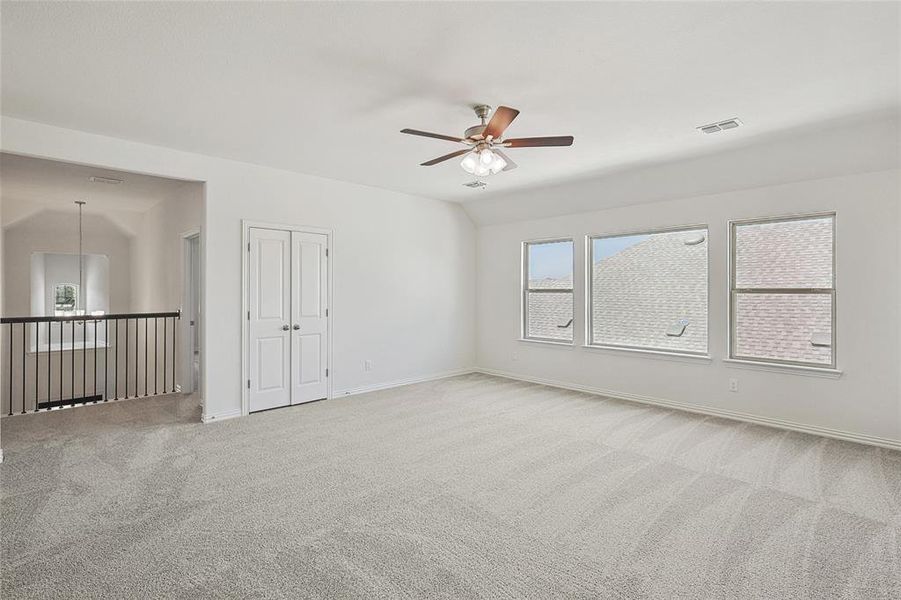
324 88
31 185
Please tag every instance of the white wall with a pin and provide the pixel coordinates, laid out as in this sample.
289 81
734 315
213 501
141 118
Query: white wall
402 265
57 232
864 400
157 265
157 273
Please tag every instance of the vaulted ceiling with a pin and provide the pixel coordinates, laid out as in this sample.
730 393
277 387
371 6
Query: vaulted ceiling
324 88
33 185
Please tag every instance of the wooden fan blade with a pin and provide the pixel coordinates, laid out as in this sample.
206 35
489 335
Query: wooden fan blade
499 122
437 136
435 161
510 164
537 142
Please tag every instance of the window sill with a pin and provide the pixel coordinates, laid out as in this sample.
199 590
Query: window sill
827 372
659 354
547 342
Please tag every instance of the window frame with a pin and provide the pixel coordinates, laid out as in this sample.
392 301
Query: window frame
525 290
589 289
734 292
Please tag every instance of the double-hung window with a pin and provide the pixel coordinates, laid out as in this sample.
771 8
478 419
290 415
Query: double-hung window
782 300
547 291
648 291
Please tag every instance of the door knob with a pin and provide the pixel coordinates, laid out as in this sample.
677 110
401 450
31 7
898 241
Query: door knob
296 327
285 328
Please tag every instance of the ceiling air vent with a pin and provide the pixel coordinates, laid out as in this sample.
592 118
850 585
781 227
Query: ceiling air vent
721 126
106 180
476 185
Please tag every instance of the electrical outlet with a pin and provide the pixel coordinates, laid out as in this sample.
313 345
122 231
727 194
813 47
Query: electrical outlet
367 365
733 385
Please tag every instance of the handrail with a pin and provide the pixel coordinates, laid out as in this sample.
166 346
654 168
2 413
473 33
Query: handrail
86 359
57 319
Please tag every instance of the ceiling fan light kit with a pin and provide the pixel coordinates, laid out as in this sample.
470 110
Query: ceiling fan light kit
484 141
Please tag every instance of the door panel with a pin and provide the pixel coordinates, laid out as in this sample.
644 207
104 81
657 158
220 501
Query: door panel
269 331
311 255
270 374
309 284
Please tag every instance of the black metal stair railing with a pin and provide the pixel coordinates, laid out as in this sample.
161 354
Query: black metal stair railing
135 362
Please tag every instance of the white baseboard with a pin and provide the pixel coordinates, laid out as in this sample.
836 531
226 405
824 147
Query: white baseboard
705 410
1 455
205 418
399 382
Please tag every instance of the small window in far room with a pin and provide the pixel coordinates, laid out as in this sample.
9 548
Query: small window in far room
65 298
547 304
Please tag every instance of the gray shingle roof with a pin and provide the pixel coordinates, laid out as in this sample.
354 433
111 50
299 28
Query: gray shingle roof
640 292
787 254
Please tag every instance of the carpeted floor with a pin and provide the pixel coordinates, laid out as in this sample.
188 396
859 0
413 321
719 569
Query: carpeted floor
470 487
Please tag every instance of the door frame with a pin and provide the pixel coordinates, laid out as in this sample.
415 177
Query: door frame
246 226
187 297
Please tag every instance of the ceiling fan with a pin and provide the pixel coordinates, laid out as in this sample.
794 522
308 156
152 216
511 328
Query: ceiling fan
484 142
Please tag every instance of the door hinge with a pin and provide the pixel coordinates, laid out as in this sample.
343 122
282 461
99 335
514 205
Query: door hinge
248 315
326 372
326 312
248 384
248 246
326 252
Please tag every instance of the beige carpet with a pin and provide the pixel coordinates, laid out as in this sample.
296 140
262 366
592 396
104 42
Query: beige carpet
471 487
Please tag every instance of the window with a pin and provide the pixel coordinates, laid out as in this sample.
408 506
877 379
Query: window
783 291
548 291
649 291
65 298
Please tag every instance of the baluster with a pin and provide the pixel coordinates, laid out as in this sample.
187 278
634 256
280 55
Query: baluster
165 364
61 363
105 359
137 352
174 361
116 370
10 369
72 395
23 368
49 369
145 356
156 353
95 361
37 363
126 359
84 361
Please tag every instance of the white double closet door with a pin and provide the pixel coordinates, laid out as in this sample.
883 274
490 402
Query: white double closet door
288 317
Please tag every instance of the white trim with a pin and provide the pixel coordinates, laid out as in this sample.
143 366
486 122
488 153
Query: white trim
231 414
547 342
246 225
848 436
774 367
1 455
187 366
652 353
401 382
